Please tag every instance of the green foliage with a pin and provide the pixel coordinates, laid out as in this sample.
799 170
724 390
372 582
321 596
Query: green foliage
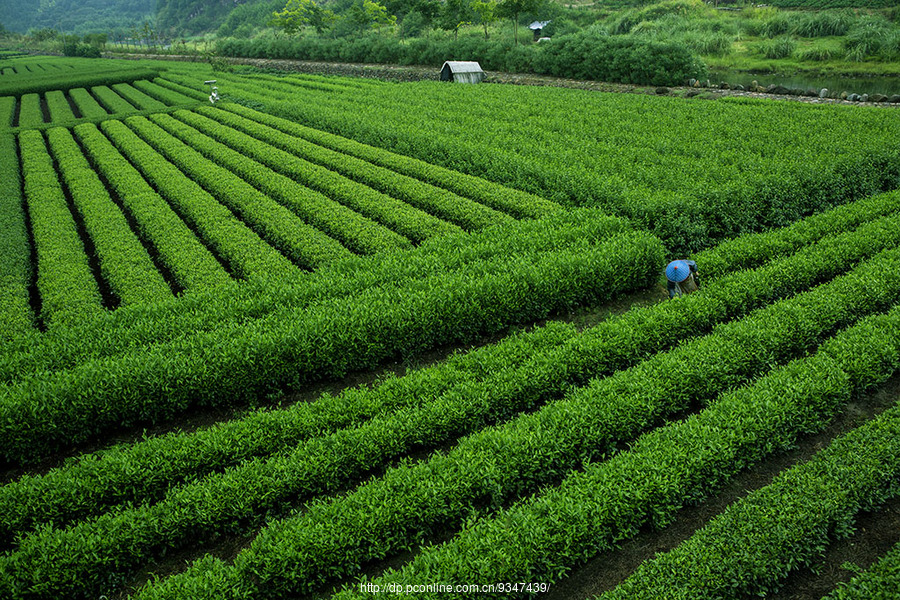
297 14
781 47
542 537
286 348
508 200
137 98
30 114
58 106
80 77
381 207
586 55
87 104
188 261
759 539
245 253
880 582
124 263
501 463
111 101
397 212
688 172
872 36
68 289
134 473
308 235
16 317
748 251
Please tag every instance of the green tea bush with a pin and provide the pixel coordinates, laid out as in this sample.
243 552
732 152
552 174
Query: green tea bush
880 582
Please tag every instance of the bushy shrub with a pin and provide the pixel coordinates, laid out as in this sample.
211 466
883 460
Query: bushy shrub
781 47
824 24
587 55
816 53
625 59
870 36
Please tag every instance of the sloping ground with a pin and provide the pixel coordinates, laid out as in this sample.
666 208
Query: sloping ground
537 412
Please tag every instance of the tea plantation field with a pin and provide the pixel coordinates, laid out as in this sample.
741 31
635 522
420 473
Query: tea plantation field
185 288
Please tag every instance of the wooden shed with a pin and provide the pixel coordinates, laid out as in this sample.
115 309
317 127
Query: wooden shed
462 71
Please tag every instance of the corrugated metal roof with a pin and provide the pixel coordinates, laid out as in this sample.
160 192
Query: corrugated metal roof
463 66
538 24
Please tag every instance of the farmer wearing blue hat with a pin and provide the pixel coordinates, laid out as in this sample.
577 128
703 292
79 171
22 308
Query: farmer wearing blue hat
682 277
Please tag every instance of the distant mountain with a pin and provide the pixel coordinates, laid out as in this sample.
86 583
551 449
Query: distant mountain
75 16
178 17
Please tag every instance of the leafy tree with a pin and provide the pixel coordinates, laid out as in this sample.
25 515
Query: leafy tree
368 14
377 14
297 14
455 14
486 11
42 35
514 8
98 40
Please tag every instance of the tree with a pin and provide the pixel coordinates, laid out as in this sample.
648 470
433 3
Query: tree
455 14
296 15
514 8
378 14
368 14
486 10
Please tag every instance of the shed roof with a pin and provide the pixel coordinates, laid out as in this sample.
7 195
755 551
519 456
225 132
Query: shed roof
463 66
538 24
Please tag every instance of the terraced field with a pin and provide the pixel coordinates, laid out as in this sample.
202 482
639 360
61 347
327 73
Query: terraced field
185 288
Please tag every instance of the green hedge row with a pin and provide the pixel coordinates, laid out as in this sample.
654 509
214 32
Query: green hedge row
244 251
138 98
64 81
188 261
748 549
16 317
7 111
657 160
588 54
880 582
129 469
86 103
65 282
124 262
30 114
748 251
302 243
407 208
111 101
135 473
164 95
543 537
410 214
60 111
505 199
356 232
494 466
133 328
291 347
130 536
335 167
185 90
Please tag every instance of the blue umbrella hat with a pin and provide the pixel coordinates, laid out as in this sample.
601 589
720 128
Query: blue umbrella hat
677 271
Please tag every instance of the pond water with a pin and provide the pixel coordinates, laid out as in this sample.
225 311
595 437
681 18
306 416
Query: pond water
852 85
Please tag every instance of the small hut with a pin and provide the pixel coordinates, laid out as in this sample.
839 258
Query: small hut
538 28
462 71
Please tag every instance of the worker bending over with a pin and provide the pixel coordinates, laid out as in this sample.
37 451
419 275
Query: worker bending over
682 277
